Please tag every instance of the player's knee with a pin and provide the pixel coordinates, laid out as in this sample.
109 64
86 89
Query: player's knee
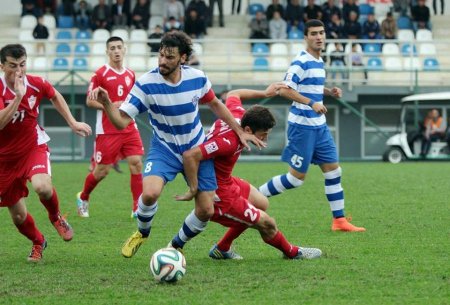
149 197
267 225
204 212
43 188
100 172
135 165
18 217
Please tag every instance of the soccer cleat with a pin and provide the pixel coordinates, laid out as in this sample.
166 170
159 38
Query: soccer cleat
342 224
170 245
133 214
82 206
132 244
36 252
216 253
63 228
308 253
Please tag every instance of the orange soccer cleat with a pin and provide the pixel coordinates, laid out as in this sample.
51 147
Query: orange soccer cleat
63 228
36 252
342 224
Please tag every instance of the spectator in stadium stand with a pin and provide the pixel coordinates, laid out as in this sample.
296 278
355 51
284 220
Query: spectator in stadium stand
66 8
337 59
236 4
101 16
357 60
29 7
435 7
83 13
141 15
352 28
194 26
435 127
421 16
277 27
401 6
40 33
329 8
120 14
48 6
389 27
275 6
172 24
349 6
220 7
334 28
173 8
371 28
312 11
202 10
259 26
156 34
294 15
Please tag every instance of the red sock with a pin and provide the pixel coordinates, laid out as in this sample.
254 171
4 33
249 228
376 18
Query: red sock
89 185
29 229
52 206
136 189
225 243
280 242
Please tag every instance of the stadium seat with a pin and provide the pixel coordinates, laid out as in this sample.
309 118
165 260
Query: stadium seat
430 64
404 23
278 49
98 48
96 62
60 64
408 48
372 48
138 35
297 47
295 34
28 22
122 33
137 63
30 47
64 35
254 8
65 22
411 63
198 48
260 49
405 35
279 63
40 63
82 49
393 64
50 21
138 49
366 9
390 49
374 63
348 48
330 48
83 35
152 62
26 35
63 49
424 35
80 64
427 49
260 64
101 35
155 20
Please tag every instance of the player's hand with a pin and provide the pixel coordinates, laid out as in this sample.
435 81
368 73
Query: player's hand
100 95
246 137
19 85
336 92
82 129
118 104
274 89
319 108
188 196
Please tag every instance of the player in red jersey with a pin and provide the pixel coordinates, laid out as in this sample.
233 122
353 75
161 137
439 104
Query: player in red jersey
112 144
24 154
239 205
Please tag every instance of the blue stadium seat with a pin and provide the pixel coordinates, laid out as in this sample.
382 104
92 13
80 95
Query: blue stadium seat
261 64
83 35
60 64
404 23
430 64
260 49
372 48
65 22
295 34
406 49
63 49
374 63
254 8
64 35
82 49
80 64
366 9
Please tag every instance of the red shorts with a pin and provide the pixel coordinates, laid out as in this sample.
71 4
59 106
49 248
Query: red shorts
233 208
13 177
112 147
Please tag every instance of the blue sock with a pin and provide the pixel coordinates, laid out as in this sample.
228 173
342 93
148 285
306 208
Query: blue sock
335 192
145 216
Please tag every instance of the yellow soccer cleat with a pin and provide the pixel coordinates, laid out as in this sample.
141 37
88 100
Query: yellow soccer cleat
132 244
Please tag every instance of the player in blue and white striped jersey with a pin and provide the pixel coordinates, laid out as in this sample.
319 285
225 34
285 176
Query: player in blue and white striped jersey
309 139
171 94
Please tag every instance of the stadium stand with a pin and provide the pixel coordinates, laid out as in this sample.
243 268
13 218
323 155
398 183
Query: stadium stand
404 23
122 33
198 48
409 48
260 49
65 22
390 49
80 64
393 64
297 47
427 49
60 64
430 64
63 49
100 35
295 34
96 62
64 35
26 35
28 22
372 48
98 48
137 49
405 35
279 63
83 35
375 63
279 49
82 49
50 22
138 35
253 8
424 35
411 63
260 64
40 63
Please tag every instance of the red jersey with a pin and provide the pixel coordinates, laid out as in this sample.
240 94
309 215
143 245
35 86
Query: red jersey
224 145
23 134
118 85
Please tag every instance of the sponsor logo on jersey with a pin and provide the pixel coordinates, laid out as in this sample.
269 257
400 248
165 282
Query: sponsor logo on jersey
111 78
128 81
37 166
211 147
32 101
289 76
195 100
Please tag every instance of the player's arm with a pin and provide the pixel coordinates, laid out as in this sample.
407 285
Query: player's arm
334 92
293 95
191 162
7 113
80 128
270 91
118 118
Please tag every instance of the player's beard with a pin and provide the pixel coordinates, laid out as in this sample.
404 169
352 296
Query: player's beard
168 69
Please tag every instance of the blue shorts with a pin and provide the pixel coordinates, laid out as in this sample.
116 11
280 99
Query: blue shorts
307 145
162 162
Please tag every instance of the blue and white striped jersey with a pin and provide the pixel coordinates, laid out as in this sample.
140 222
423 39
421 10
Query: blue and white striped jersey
306 75
172 108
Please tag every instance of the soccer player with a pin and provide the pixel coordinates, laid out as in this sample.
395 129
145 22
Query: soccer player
24 154
238 204
171 94
309 139
112 144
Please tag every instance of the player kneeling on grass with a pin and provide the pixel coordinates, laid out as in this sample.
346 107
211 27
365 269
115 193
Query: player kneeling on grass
239 205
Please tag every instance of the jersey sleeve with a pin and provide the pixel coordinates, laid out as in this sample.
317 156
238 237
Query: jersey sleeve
294 75
219 146
48 90
2 103
208 97
93 84
136 101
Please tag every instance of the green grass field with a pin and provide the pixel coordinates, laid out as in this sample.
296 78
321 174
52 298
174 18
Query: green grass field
403 258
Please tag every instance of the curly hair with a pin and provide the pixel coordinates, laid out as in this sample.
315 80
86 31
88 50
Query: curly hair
258 118
177 39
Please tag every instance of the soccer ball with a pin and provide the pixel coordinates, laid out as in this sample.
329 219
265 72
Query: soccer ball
168 265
